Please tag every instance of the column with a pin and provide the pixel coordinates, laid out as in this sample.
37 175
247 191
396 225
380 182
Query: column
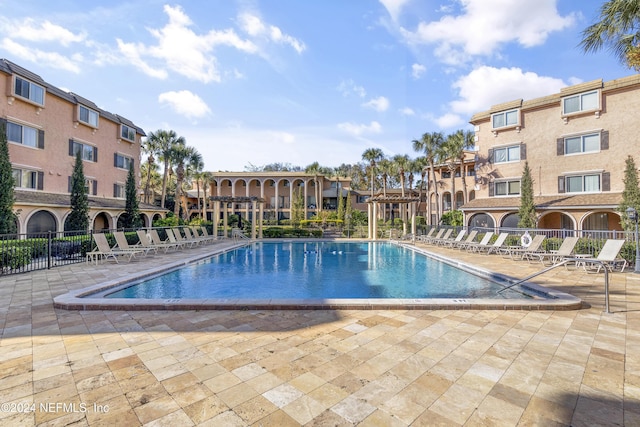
225 217
375 221
261 215
253 223
216 217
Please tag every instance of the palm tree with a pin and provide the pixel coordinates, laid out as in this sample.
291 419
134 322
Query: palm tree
420 164
618 30
164 141
453 152
372 155
314 169
402 163
149 146
183 157
206 178
430 144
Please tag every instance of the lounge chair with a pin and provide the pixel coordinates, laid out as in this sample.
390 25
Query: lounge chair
520 252
472 246
496 246
104 251
424 237
436 237
123 244
608 257
469 239
444 238
191 234
205 233
175 236
458 239
155 240
565 250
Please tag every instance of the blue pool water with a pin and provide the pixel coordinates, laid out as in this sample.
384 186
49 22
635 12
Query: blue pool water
318 270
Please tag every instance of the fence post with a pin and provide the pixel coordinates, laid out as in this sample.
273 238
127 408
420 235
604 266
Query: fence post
49 249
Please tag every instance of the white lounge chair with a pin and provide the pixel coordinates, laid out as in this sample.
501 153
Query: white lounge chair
123 244
496 246
608 257
565 250
475 245
104 251
468 240
520 252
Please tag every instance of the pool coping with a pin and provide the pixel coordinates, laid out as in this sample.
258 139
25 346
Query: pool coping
78 300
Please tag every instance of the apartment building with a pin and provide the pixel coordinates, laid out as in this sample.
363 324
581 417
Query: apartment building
45 128
575 142
276 190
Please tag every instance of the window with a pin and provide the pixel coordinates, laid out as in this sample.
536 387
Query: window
89 152
31 91
505 118
506 154
588 101
122 162
446 174
583 183
506 188
91 186
362 199
119 191
127 133
25 135
582 144
24 178
87 116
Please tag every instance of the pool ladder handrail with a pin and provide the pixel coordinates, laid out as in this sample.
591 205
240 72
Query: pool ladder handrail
564 262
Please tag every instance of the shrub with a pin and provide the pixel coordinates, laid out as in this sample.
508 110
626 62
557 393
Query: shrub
13 257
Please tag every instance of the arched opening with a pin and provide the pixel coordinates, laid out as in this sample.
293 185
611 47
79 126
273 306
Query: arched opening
459 200
446 202
472 195
510 220
101 222
156 217
556 221
41 222
602 221
481 220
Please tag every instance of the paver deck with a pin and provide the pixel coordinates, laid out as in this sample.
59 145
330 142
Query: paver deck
319 367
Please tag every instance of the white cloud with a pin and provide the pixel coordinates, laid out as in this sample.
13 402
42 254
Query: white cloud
45 31
406 111
49 59
185 103
360 129
418 70
449 120
348 87
394 7
254 26
486 25
487 86
182 50
379 104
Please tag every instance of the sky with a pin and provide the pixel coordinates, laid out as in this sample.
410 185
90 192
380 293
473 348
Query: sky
254 82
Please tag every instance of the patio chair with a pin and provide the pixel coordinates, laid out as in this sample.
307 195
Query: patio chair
191 235
175 236
608 257
565 250
520 252
424 237
497 245
104 251
451 242
205 233
469 239
197 233
472 246
166 244
437 236
444 238
123 244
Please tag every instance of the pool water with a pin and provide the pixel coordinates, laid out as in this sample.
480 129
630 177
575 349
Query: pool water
316 270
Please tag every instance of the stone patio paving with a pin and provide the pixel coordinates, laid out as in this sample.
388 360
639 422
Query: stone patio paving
280 368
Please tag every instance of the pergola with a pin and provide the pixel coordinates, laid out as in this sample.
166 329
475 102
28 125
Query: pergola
222 202
411 203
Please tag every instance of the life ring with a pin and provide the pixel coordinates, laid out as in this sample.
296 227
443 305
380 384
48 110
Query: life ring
525 240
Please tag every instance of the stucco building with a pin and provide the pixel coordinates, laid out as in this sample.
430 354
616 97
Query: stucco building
575 142
45 128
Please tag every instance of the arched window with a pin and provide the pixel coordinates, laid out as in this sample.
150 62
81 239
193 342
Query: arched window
40 222
511 220
481 220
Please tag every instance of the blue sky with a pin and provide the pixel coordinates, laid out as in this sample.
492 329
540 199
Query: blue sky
297 81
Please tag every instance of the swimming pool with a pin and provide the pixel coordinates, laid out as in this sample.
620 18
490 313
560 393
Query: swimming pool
318 275
317 270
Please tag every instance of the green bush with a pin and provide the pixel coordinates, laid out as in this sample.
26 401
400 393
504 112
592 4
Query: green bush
14 257
289 232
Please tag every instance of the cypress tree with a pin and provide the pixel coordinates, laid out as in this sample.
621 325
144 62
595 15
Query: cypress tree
630 194
79 216
7 196
527 211
132 209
